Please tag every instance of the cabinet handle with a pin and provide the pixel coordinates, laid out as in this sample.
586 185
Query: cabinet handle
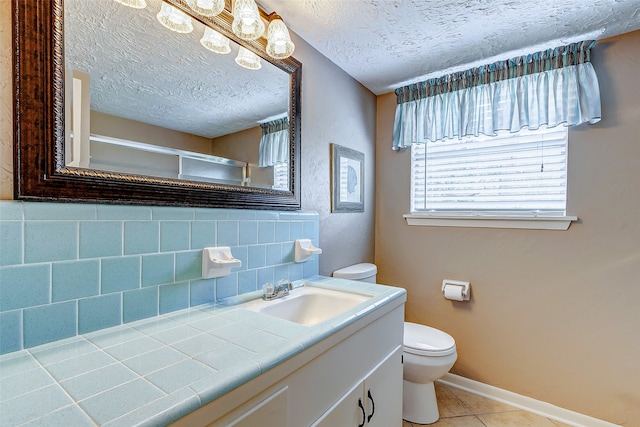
364 416
373 406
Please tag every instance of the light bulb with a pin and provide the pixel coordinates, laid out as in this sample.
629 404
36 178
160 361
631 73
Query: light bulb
206 7
214 41
247 23
136 4
248 59
174 19
279 44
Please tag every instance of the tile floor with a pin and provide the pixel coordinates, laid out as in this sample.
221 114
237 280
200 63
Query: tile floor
459 408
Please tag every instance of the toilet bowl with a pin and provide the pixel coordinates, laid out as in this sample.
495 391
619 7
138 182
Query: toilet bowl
428 354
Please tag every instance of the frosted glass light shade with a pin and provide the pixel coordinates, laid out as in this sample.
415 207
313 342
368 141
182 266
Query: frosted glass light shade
136 4
247 23
215 42
248 59
174 19
279 44
206 7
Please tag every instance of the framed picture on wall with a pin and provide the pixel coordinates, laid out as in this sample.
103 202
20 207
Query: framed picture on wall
347 180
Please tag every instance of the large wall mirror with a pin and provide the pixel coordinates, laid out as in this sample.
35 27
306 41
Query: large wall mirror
111 106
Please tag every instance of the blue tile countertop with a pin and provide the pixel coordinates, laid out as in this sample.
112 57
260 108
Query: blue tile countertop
155 371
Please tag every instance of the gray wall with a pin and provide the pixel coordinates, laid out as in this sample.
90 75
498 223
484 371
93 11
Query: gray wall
336 109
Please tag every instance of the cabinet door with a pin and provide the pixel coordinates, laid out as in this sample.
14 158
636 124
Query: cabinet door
374 402
270 412
383 392
349 411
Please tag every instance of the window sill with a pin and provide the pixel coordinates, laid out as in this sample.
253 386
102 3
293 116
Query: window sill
526 222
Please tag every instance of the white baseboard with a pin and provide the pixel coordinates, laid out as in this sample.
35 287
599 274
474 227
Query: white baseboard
523 402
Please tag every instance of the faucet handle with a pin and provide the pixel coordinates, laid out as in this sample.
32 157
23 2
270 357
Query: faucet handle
285 284
268 289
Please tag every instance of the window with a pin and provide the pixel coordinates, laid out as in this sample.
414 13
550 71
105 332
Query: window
521 175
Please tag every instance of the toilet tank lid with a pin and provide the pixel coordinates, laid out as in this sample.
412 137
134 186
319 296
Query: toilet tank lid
357 271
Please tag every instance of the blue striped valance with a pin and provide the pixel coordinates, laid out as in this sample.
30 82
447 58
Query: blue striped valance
552 87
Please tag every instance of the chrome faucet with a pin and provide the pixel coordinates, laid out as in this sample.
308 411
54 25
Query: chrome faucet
270 292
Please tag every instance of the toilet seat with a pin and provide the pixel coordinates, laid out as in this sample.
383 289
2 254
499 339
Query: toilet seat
427 341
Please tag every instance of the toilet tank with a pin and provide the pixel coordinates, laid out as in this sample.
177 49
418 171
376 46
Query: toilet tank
364 272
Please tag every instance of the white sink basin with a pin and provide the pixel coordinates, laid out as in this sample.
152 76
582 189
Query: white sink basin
307 305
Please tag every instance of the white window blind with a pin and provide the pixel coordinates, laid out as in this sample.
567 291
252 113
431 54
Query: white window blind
281 176
513 174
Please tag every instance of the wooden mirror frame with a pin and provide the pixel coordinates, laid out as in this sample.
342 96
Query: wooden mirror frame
39 170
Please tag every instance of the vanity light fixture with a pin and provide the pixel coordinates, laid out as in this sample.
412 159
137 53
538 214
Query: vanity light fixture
247 23
248 59
136 4
206 7
279 44
215 42
174 19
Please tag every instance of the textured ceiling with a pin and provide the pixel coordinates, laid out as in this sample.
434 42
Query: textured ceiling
142 71
385 44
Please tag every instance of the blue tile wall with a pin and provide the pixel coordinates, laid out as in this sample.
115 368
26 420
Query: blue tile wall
11 336
68 269
75 279
50 322
100 239
99 312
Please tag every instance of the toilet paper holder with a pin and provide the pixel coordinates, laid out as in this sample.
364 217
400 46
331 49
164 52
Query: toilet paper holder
465 291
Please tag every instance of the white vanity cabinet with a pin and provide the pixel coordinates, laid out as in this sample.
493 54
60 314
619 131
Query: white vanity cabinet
322 385
374 402
271 411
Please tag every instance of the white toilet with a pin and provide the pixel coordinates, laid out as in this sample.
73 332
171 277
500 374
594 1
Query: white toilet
428 354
